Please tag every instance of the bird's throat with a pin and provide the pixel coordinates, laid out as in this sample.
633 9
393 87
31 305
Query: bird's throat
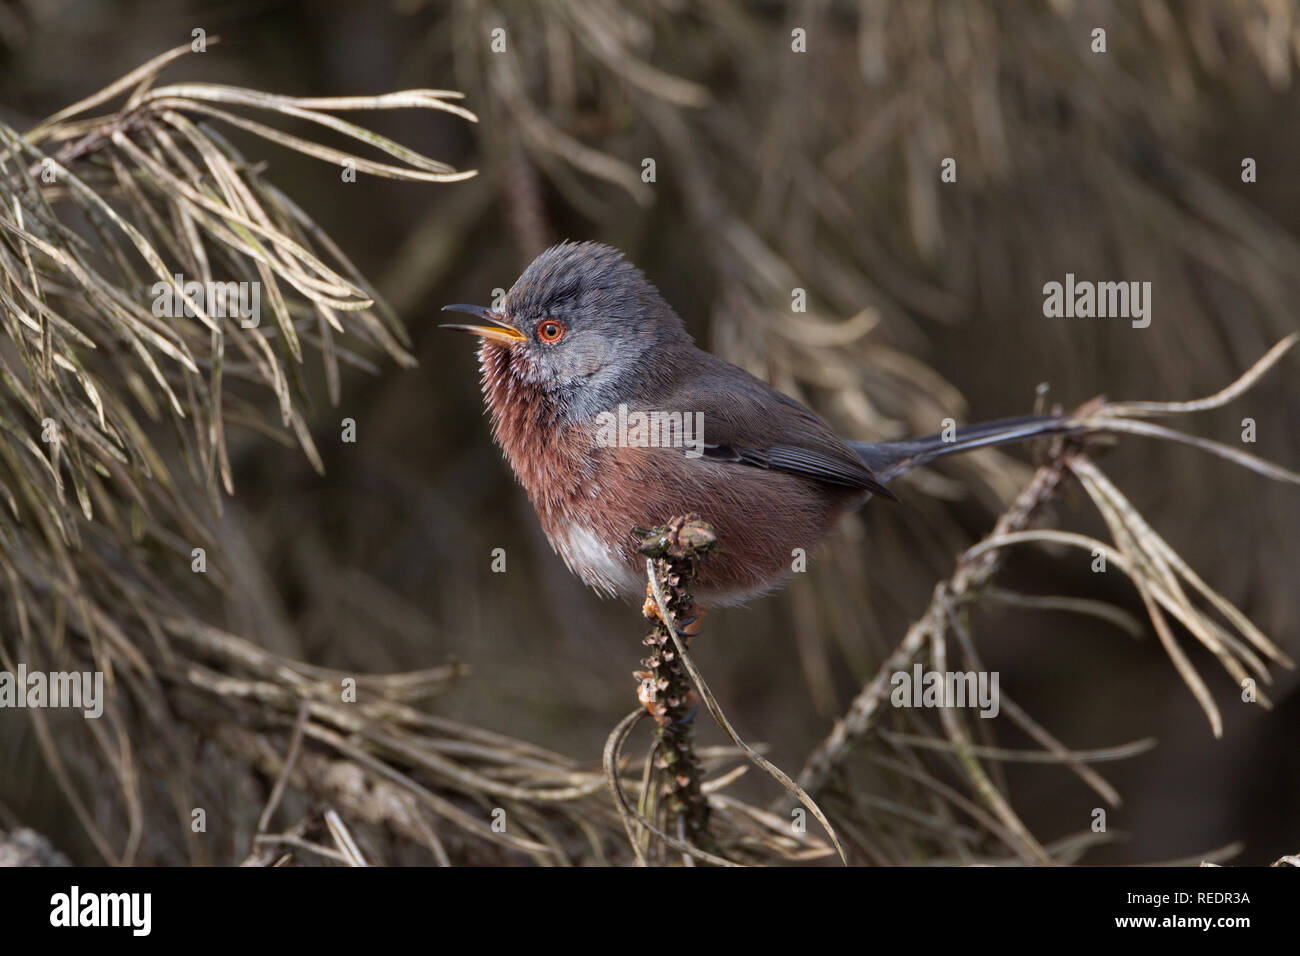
545 452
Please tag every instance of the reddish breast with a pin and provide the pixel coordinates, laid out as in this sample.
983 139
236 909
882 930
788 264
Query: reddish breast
589 498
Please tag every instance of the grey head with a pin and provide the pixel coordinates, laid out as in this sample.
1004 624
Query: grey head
585 325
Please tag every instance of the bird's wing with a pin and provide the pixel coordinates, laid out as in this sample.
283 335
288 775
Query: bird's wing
830 469
748 422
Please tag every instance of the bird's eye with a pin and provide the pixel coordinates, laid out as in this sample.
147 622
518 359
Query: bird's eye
550 331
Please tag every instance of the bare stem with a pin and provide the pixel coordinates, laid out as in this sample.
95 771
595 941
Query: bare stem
665 691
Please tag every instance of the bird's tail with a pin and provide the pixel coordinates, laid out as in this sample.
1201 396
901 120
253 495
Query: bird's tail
890 459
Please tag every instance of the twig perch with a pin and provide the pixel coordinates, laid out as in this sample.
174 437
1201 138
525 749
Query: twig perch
680 545
676 551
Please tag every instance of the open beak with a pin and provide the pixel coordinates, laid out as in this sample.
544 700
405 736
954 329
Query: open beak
506 333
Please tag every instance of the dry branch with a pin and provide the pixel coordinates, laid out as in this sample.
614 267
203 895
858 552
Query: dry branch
1164 581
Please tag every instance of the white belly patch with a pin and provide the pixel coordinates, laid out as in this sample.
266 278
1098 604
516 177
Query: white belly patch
599 566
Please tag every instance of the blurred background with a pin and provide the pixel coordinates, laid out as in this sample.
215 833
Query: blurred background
776 170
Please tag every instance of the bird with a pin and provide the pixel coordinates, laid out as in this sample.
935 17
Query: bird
585 369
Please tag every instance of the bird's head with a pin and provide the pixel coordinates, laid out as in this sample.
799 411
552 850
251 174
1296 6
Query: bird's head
582 325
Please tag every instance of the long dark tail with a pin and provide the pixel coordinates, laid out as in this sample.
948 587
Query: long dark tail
889 459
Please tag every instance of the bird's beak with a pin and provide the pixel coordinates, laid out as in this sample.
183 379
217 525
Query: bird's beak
506 334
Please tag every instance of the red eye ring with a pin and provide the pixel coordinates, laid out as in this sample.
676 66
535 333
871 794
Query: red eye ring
550 331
